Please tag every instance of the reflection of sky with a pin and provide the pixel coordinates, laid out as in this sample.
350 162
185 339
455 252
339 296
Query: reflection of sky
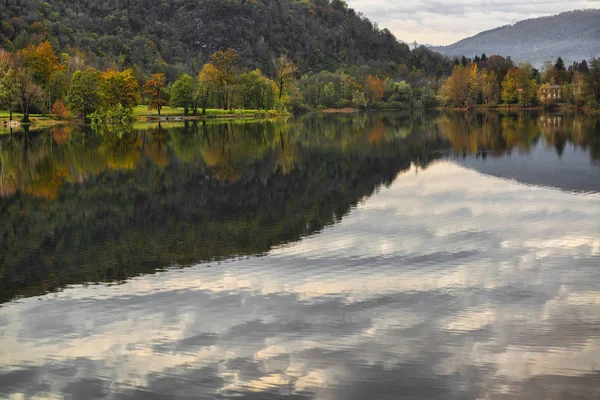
448 284
541 166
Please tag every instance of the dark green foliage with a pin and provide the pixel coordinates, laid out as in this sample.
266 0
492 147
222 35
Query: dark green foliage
175 36
592 82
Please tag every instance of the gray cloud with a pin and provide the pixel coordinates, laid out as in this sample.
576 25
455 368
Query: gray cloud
446 22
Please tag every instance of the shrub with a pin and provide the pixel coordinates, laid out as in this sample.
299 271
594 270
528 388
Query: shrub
59 108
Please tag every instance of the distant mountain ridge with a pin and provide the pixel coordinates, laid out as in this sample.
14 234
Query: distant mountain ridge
573 35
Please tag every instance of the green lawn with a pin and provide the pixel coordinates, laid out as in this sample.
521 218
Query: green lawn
142 111
38 121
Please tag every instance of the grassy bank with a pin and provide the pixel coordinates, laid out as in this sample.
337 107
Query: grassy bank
38 121
142 113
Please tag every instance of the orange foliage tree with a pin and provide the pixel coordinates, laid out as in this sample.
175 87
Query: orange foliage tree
41 61
154 89
59 108
374 89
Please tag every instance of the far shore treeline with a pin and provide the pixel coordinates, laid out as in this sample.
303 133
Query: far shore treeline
38 80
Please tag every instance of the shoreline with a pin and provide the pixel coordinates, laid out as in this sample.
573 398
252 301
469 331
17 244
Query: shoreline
183 118
505 107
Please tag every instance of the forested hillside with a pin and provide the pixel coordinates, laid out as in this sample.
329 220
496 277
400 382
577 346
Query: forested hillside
175 36
574 36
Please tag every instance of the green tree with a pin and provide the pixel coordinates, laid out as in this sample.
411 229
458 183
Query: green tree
256 91
28 91
8 87
427 98
184 93
592 82
528 95
83 97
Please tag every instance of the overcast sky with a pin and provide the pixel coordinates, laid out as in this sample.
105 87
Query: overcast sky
445 22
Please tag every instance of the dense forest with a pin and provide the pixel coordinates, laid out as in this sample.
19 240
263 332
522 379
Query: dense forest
178 36
84 57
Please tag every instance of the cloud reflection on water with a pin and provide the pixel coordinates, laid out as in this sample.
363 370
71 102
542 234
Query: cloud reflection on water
448 284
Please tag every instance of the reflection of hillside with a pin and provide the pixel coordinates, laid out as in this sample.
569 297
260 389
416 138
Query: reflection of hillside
135 202
108 205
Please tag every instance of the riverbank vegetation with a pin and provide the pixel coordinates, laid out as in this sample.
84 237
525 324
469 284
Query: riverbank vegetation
497 81
38 79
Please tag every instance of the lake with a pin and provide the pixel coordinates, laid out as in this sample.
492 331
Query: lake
343 256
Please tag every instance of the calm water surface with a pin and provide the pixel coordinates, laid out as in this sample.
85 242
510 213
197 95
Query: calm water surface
389 256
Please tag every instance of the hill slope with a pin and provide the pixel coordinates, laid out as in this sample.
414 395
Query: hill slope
572 35
179 35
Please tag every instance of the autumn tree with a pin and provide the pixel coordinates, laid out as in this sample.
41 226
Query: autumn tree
154 88
284 73
223 75
41 61
119 89
474 84
456 90
184 94
59 108
490 91
83 97
510 86
206 85
373 90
